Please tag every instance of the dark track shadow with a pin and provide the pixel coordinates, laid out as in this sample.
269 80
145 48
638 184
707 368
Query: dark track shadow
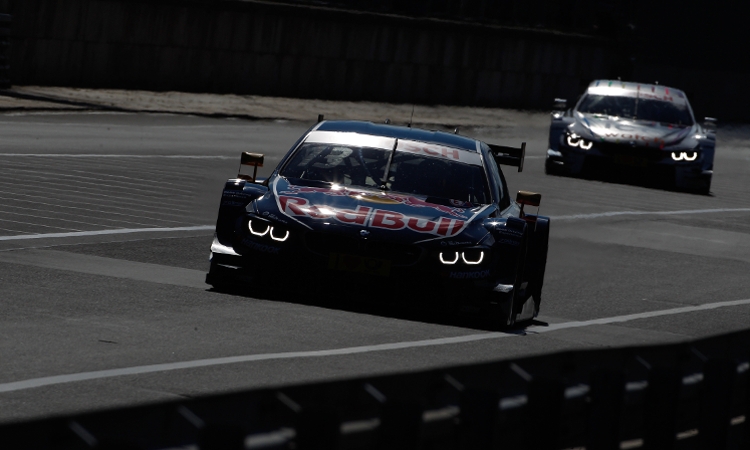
427 309
633 179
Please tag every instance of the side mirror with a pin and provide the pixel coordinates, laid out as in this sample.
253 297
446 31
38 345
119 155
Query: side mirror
528 198
709 123
560 104
250 159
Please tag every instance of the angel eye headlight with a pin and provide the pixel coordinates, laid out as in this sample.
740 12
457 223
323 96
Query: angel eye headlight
690 156
279 235
449 257
472 257
572 140
259 229
575 140
685 156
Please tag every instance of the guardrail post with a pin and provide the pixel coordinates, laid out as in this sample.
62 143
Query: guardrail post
5 20
745 380
662 397
317 428
400 425
546 398
479 411
607 392
716 398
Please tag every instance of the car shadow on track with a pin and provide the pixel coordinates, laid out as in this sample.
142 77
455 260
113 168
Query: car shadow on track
631 179
426 310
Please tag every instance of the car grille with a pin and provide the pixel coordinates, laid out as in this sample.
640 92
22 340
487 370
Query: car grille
327 243
653 154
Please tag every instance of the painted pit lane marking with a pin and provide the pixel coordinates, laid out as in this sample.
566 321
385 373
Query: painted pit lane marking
140 370
102 232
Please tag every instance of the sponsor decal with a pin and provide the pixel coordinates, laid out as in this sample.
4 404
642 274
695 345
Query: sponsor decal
231 193
359 264
508 241
440 151
260 247
274 217
371 217
471 275
449 243
635 137
383 198
232 203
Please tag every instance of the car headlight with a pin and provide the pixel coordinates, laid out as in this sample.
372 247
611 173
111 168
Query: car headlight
470 257
685 156
575 140
261 229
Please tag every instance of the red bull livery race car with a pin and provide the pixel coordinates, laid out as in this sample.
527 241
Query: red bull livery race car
646 131
388 208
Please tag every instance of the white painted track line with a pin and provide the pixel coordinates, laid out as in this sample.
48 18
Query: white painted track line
140 370
648 213
101 232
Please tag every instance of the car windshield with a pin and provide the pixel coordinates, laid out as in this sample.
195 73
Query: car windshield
636 108
408 173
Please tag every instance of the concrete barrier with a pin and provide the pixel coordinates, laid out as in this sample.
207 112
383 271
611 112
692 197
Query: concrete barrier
297 51
310 51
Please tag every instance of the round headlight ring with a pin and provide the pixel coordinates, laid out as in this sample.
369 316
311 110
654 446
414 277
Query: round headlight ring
258 233
280 239
449 262
473 262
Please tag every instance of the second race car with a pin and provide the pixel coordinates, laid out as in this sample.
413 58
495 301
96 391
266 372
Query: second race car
647 131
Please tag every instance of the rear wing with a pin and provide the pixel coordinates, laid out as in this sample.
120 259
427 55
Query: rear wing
509 156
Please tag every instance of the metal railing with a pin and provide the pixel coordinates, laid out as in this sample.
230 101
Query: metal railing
686 395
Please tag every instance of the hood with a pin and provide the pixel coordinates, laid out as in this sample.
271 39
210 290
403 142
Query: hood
371 213
639 132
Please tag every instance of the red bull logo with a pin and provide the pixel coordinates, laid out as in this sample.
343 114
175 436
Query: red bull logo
371 217
383 198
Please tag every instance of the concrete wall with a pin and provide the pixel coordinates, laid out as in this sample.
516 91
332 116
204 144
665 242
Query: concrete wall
296 51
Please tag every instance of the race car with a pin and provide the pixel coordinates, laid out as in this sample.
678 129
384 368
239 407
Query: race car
386 209
644 131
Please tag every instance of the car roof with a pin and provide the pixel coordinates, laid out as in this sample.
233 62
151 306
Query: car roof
400 132
641 90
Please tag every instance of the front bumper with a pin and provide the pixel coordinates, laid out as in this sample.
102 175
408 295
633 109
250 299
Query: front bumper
635 163
296 267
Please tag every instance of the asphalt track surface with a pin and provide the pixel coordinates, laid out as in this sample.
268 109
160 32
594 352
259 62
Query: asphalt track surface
105 227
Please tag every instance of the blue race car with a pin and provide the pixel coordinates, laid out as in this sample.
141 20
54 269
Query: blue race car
647 131
390 208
